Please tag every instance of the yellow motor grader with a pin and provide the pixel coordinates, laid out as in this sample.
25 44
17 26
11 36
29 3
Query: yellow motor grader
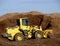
23 30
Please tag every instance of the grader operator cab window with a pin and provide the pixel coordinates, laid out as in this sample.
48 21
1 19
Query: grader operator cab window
25 22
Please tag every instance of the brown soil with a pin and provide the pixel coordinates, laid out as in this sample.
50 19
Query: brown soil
35 18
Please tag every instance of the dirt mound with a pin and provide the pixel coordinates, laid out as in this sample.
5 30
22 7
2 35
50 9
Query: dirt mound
10 19
55 22
35 18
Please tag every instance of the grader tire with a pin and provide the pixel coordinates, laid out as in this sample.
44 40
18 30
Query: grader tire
19 37
38 34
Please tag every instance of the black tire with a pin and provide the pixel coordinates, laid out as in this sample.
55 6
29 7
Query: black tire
19 35
40 33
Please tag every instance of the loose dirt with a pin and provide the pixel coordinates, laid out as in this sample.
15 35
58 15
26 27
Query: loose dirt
35 18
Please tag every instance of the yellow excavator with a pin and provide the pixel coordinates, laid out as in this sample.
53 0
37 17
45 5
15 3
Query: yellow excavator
23 30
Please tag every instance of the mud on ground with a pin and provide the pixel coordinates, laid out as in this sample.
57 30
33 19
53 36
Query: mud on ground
35 18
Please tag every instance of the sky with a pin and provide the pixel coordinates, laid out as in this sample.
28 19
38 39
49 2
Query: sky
45 6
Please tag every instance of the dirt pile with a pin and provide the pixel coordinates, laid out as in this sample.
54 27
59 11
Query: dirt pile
35 18
55 22
10 19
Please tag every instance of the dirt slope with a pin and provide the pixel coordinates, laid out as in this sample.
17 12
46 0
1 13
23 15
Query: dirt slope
35 18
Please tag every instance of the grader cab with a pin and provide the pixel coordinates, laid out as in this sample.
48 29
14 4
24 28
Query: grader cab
23 30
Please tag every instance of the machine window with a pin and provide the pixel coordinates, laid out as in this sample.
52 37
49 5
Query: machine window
18 22
25 22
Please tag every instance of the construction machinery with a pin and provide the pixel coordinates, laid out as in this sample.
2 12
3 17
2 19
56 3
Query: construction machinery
23 30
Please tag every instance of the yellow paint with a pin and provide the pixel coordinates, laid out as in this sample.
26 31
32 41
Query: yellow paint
40 28
29 34
15 30
38 35
46 32
19 38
